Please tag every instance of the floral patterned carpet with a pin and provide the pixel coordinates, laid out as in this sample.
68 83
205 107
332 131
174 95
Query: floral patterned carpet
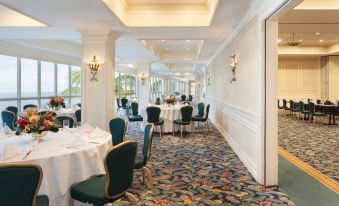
316 145
199 171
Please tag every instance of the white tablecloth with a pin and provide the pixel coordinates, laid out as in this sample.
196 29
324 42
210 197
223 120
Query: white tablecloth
169 113
63 166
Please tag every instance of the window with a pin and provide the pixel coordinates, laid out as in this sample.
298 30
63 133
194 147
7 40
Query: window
47 79
125 85
8 77
156 88
37 81
171 86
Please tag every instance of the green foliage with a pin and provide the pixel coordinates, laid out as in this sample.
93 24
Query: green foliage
76 84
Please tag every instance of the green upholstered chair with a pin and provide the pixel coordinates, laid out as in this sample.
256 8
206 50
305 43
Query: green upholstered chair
8 118
203 119
118 128
78 115
280 107
124 102
135 117
78 104
201 109
157 101
190 97
315 114
141 160
19 185
318 101
303 111
29 105
15 110
294 108
102 189
62 118
183 97
286 108
186 118
153 116
118 104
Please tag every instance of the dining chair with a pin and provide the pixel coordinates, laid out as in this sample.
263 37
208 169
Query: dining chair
15 110
135 117
186 118
314 113
201 108
62 118
183 97
8 118
280 107
304 111
157 101
20 183
29 105
190 97
78 104
141 160
286 108
78 115
107 188
294 108
203 119
153 116
118 104
118 128
124 102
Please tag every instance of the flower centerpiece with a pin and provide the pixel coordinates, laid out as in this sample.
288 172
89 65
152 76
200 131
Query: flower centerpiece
169 100
37 124
57 101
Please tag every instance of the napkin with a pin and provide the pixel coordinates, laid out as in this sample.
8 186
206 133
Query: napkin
87 127
8 132
97 133
80 141
7 151
76 107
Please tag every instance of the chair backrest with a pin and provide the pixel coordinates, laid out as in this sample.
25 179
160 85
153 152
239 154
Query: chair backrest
29 105
135 108
327 102
291 104
117 127
153 114
119 166
201 108
62 118
183 97
318 101
278 103
8 118
13 109
148 139
312 108
124 102
190 97
78 115
187 103
157 101
301 106
207 111
285 103
118 102
78 104
20 183
186 113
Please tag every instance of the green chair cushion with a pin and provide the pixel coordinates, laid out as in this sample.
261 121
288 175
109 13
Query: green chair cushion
42 200
198 118
161 122
319 114
180 122
305 112
91 191
135 118
139 162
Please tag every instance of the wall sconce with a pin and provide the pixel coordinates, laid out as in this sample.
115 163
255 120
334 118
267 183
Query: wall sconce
209 76
94 67
233 65
143 78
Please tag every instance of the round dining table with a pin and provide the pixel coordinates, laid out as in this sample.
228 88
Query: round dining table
66 157
169 113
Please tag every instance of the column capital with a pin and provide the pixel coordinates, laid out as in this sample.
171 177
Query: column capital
99 35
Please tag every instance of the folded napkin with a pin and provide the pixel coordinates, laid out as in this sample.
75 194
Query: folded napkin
87 127
76 107
8 132
7 151
80 141
97 133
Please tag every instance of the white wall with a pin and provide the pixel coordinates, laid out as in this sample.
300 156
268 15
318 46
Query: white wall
299 77
234 106
333 78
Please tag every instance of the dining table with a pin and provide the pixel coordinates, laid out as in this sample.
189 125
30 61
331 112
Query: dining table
69 156
169 113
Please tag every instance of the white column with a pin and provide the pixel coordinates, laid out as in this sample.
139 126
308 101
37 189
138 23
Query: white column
98 96
144 91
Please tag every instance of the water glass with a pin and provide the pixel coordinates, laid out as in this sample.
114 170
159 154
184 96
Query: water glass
65 123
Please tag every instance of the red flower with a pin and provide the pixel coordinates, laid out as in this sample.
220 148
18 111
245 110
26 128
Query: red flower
21 122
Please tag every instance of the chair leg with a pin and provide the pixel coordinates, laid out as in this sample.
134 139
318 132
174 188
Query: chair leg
71 202
173 128
132 198
148 175
160 130
208 127
180 131
143 175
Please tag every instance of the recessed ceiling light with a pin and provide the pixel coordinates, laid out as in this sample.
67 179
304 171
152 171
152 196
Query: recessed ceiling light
188 40
279 40
321 40
187 48
167 48
317 33
300 40
163 40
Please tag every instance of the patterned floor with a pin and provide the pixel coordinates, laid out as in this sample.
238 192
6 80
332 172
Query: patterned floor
316 145
200 171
